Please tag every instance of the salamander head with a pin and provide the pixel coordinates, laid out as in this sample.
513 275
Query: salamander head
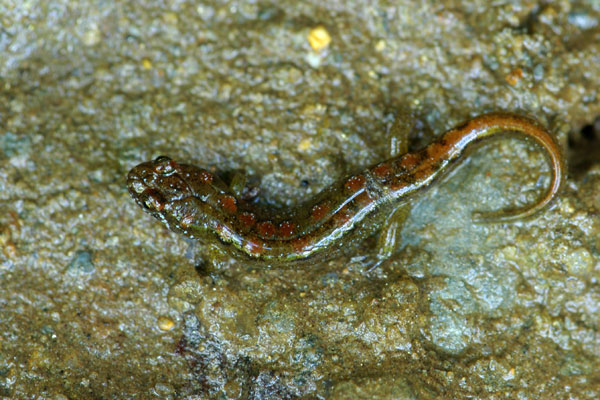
155 183
171 192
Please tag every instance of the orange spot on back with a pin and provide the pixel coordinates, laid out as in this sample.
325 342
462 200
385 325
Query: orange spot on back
247 218
355 183
301 244
399 183
453 136
342 216
409 161
319 211
287 229
266 229
436 150
363 199
228 203
383 170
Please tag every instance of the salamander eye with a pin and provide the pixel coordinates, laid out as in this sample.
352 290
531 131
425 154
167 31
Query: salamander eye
151 200
164 165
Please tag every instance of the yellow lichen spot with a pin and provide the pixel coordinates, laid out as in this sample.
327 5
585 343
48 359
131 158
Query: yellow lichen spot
510 374
170 18
146 64
304 145
165 323
514 76
567 207
92 36
380 45
314 110
319 38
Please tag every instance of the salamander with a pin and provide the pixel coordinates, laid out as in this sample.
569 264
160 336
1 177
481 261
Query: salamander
195 202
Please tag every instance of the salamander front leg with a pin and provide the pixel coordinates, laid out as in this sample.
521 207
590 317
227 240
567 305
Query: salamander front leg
399 133
238 183
238 186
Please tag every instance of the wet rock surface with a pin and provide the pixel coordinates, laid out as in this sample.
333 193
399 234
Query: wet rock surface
101 301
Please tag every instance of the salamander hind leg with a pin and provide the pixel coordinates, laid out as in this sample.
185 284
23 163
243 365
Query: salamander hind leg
388 237
398 145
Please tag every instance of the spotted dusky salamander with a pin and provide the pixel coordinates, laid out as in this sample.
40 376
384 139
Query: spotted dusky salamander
195 202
